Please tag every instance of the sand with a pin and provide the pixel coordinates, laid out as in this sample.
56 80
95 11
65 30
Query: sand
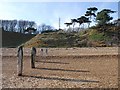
63 68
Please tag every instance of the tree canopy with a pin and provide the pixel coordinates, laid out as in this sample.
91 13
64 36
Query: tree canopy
103 17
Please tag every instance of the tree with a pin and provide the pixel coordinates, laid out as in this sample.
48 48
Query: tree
91 12
31 24
117 22
0 23
68 24
73 22
30 30
82 20
44 27
103 17
12 24
3 24
16 26
6 25
48 27
21 26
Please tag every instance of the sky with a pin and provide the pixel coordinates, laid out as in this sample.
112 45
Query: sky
49 12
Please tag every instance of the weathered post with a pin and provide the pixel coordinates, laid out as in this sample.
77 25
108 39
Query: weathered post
20 61
41 52
33 54
46 51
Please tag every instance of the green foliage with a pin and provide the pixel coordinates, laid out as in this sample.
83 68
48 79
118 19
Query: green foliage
91 11
103 17
97 37
83 19
94 35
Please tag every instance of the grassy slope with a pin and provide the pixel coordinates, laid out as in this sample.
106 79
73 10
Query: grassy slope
57 39
84 38
13 39
53 39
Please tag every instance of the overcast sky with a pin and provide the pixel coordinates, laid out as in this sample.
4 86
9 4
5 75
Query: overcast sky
49 12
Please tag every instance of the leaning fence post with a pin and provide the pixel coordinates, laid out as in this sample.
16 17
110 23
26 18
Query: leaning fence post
33 54
20 61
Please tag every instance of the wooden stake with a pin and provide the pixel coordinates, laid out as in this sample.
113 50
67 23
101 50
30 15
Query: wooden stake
33 54
20 61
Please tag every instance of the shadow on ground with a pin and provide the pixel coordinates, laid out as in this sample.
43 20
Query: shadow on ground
52 62
56 69
63 79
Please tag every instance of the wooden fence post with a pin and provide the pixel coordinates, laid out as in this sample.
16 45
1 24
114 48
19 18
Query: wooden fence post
20 61
33 54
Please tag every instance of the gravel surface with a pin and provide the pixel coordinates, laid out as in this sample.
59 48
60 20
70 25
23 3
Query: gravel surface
65 51
71 72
